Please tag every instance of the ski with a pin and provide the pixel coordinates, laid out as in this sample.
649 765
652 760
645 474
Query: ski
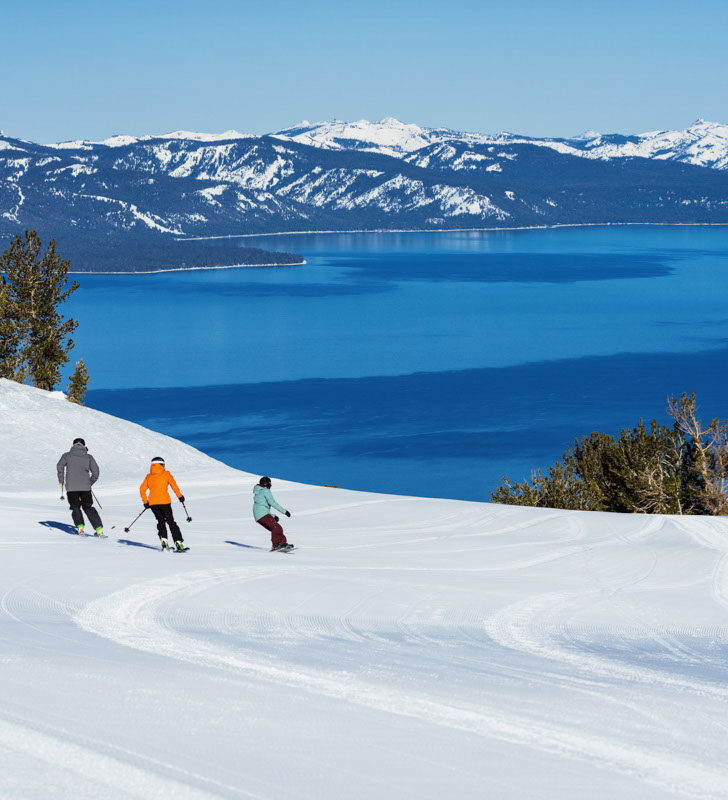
173 549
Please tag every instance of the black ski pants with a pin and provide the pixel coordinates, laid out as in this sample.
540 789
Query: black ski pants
83 500
164 515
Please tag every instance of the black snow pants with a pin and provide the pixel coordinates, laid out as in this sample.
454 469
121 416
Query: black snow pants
163 513
83 500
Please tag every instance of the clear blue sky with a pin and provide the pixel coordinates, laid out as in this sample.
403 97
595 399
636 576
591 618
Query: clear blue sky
79 69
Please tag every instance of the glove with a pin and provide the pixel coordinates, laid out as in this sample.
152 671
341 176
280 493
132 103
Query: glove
181 498
146 505
288 513
275 518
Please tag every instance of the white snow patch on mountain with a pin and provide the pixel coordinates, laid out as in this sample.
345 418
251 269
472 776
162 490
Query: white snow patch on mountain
120 140
204 137
75 170
388 136
457 201
147 218
212 192
587 135
42 162
77 144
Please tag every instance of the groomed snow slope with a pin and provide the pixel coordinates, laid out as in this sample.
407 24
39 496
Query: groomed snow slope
410 648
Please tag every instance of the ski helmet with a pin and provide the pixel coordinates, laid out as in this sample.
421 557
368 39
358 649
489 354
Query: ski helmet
265 482
158 460
79 440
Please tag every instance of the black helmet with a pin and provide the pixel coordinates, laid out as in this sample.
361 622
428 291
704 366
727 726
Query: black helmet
79 440
265 482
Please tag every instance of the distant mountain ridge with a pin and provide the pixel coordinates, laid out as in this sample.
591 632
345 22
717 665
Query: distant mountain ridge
703 143
355 176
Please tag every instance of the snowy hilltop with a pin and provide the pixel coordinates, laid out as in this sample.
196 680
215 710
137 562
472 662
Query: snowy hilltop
407 647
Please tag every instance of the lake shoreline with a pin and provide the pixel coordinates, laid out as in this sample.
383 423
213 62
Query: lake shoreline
184 269
463 230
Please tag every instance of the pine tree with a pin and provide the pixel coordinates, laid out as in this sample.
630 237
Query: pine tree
34 336
660 470
9 336
78 383
705 470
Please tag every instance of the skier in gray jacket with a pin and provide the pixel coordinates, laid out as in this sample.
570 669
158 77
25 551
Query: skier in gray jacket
79 471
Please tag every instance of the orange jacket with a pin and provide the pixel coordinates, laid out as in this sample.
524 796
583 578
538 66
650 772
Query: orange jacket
156 483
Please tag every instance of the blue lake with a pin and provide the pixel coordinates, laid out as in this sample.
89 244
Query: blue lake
418 363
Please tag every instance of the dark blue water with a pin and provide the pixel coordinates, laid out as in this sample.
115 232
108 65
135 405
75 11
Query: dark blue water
427 364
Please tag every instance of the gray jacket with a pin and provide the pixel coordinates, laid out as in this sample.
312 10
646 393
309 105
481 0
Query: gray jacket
77 469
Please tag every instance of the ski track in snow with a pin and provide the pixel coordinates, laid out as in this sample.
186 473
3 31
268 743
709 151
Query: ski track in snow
714 534
140 619
92 773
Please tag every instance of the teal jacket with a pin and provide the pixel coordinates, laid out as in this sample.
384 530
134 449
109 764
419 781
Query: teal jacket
263 502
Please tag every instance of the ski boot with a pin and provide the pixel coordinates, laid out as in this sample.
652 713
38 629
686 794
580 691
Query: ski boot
165 544
100 532
81 531
180 546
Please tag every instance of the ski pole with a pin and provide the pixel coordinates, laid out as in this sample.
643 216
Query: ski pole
102 509
189 518
62 485
126 530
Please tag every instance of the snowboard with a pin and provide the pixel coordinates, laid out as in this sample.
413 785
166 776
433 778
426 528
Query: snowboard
287 549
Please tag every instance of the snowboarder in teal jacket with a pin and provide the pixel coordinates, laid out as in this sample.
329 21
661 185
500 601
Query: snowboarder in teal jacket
263 502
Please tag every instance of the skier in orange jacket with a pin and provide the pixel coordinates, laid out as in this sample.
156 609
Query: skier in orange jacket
157 483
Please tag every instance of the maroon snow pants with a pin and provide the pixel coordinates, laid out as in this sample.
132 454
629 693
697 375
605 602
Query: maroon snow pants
276 531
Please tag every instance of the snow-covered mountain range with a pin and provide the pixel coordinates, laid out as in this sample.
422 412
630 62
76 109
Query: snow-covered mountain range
704 144
362 175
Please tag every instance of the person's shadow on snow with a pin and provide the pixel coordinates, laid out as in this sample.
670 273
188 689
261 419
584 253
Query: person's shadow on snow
131 543
59 526
248 546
